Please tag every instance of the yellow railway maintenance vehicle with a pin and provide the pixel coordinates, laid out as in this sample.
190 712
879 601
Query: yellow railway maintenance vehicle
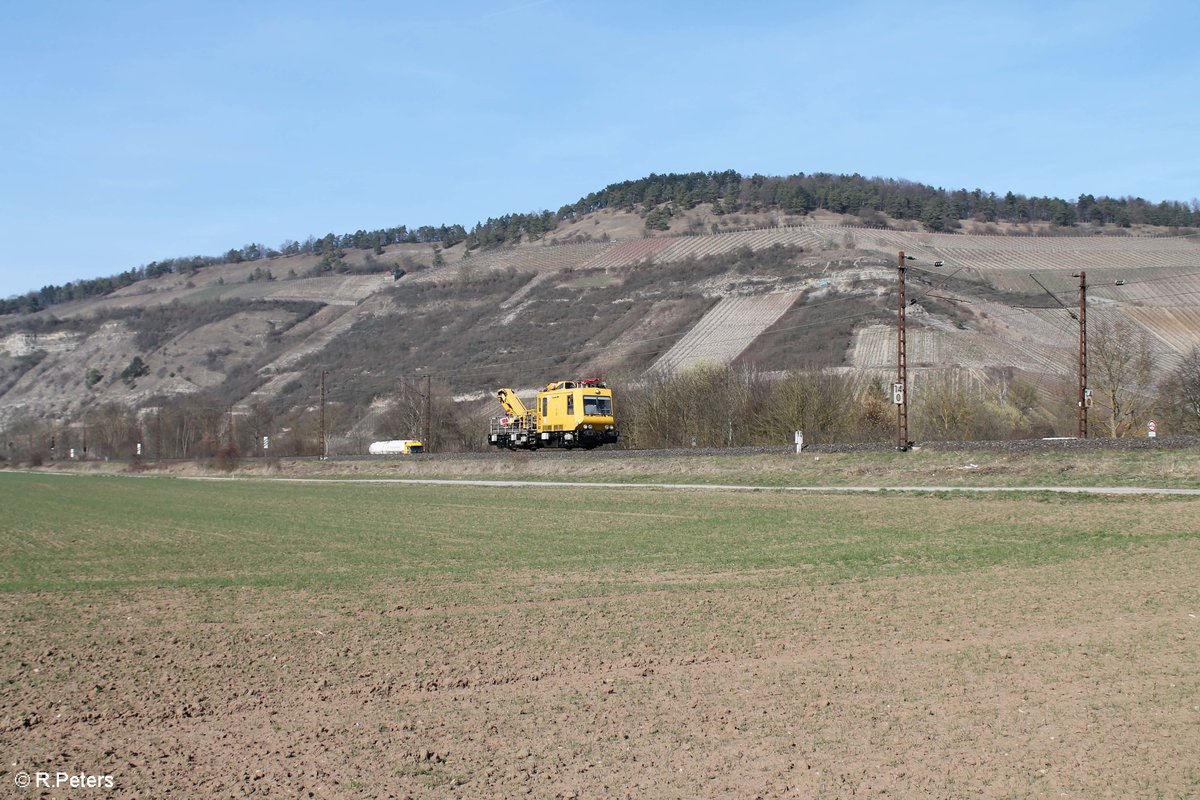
565 414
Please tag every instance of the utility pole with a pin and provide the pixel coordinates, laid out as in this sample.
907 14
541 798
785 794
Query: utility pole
1084 394
324 451
900 389
428 407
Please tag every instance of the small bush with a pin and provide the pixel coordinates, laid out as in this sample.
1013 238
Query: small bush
136 369
227 458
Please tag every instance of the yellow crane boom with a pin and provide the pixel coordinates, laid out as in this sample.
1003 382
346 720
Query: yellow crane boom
512 404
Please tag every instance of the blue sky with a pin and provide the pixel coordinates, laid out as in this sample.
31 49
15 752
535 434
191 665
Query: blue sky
134 131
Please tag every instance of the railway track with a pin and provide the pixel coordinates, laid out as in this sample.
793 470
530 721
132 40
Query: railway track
1013 446
1063 445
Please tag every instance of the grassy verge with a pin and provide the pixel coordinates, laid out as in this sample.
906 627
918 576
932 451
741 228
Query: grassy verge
1174 469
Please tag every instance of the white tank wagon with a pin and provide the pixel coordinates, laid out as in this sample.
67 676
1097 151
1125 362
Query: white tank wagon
396 447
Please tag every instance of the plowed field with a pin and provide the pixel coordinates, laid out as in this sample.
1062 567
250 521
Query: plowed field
238 638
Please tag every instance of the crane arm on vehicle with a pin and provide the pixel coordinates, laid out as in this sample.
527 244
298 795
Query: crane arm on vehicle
512 404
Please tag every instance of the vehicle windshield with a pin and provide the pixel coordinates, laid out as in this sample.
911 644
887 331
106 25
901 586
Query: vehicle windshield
597 406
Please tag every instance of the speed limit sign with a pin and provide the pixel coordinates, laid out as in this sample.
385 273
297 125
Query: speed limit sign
1152 429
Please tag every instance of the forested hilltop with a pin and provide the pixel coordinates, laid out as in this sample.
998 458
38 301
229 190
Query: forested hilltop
659 197
938 209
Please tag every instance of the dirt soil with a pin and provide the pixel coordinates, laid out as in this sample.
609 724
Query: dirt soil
1074 680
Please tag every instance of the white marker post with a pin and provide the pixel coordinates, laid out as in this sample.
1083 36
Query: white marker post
799 441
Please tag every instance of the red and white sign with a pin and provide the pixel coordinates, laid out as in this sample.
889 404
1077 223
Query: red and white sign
1152 429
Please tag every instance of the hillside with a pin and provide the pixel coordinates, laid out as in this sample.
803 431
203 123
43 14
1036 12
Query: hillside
782 292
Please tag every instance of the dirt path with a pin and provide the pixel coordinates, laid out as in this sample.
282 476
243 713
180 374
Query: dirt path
1097 490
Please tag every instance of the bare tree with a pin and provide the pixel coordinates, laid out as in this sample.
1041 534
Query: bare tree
876 415
113 430
298 433
944 409
259 421
1179 393
405 415
710 403
201 422
1121 368
404 418
957 406
819 403
26 437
